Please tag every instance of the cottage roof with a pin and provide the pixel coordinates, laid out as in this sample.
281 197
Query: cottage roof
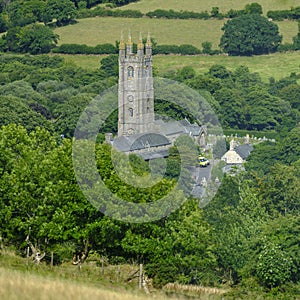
244 150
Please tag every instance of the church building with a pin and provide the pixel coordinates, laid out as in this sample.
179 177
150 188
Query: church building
138 131
136 97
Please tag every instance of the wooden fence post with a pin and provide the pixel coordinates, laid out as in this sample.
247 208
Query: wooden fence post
141 277
27 256
118 273
102 267
51 263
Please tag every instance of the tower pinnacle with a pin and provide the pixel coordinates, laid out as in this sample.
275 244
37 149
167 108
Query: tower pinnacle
140 44
122 42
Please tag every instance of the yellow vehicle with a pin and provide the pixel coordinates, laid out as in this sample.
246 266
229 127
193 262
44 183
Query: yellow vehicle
203 162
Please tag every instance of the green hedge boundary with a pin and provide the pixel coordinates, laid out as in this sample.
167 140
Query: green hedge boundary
111 49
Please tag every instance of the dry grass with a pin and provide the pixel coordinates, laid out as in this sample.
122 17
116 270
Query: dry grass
22 280
17 285
202 5
93 31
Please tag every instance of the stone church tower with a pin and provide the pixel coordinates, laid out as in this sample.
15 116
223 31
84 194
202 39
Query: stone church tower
136 96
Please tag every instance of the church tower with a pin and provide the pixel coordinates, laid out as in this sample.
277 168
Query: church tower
136 96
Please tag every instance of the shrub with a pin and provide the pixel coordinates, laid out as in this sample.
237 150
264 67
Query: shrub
84 49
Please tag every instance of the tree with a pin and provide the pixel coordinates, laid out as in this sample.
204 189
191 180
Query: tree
291 93
110 65
36 39
296 39
33 38
250 34
253 8
63 11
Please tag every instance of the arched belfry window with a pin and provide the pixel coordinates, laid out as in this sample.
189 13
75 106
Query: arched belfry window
130 111
130 72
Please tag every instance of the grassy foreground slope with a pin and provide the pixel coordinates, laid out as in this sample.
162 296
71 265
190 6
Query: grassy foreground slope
21 280
202 5
93 31
18 285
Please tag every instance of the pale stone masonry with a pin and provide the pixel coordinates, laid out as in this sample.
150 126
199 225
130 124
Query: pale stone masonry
136 97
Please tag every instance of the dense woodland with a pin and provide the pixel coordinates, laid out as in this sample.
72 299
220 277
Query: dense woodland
247 237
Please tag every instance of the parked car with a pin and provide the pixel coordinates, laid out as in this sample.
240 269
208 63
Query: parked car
203 161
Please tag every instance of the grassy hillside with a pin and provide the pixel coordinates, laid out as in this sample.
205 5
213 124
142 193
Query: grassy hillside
19 285
202 5
276 65
93 31
64 282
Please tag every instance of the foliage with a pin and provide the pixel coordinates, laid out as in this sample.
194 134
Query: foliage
101 12
109 65
279 15
33 39
63 11
273 267
250 34
84 49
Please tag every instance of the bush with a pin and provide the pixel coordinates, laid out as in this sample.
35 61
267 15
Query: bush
279 15
286 47
102 12
84 49
188 50
171 14
174 49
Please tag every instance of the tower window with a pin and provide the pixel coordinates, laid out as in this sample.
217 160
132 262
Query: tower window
130 111
130 72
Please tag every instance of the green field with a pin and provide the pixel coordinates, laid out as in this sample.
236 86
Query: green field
93 31
276 65
202 5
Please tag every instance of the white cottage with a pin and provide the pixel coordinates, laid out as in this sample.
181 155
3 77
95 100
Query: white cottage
237 154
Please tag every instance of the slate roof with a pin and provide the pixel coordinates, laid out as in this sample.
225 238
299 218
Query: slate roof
147 155
177 127
244 150
140 141
171 128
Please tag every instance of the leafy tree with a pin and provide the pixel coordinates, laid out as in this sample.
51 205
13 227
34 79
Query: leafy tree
274 253
185 73
13 110
263 156
232 107
19 13
296 39
36 39
67 114
33 38
250 34
219 71
63 11
206 47
253 8
291 93
265 111
3 25
290 146
273 267
110 65
280 192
